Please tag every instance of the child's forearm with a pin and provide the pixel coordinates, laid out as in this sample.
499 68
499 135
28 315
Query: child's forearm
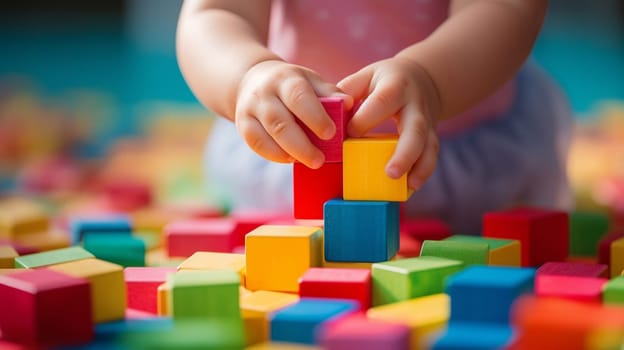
217 43
481 45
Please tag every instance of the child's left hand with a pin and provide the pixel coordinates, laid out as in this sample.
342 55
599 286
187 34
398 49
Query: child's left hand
398 88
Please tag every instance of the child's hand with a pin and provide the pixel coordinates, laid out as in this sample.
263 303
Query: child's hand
270 96
400 89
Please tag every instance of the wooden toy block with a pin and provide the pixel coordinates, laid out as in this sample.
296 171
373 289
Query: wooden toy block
300 322
468 336
543 234
163 299
52 257
485 294
333 283
604 247
277 256
586 230
142 286
503 252
616 266
578 288
257 307
104 224
313 187
359 332
332 148
19 216
409 247
45 308
8 271
185 237
122 249
364 177
43 241
424 316
467 252
425 228
405 279
573 269
613 292
361 231
216 261
108 288
7 256
281 346
248 220
127 195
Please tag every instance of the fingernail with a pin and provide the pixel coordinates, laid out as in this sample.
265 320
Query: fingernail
393 172
328 133
317 162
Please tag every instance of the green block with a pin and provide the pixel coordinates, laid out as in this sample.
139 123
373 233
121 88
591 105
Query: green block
467 252
586 230
613 292
205 295
52 257
121 249
406 279
494 243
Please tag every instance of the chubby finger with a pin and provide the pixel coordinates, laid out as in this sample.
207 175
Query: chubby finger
426 164
385 101
414 131
260 141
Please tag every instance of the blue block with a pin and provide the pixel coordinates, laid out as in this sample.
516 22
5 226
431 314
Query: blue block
485 294
298 323
361 231
113 224
122 249
462 336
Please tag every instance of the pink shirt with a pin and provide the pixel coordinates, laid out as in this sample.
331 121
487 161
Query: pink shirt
338 37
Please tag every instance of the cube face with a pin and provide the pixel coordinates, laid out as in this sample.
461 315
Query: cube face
52 257
186 237
617 257
361 231
572 269
7 256
276 256
470 253
102 225
142 286
475 336
614 291
313 187
570 287
19 216
357 332
122 249
503 252
586 230
336 283
364 177
215 261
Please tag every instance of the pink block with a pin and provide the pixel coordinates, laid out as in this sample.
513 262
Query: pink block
336 283
573 269
358 332
332 148
588 289
142 286
185 237
45 308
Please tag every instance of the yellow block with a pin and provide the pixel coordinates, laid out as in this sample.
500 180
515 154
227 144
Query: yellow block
163 300
19 215
364 175
256 309
108 287
281 346
277 256
617 257
425 316
507 255
215 261
7 257
44 241
347 265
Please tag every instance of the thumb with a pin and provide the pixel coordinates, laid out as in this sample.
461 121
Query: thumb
357 84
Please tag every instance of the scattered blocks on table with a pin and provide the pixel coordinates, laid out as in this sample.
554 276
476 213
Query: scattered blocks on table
42 307
361 231
359 332
122 249
108 288
573 269
424 316
613 292
313 187
578 288
425 228
485 294
470 336
616 265
502 252
470 253
185 237
405 279
333 283
364 177
256 309
142 286
52 257
80 226
543 234
7 256
586 230
216 261
19 216
277 256
299 322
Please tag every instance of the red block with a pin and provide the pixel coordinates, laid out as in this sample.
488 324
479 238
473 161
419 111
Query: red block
573 269
185 237
336 283
409 247
127 195
313 187
358 332
248 220
425 228
45 308
543 234
332 148
604 247
587 289
142 286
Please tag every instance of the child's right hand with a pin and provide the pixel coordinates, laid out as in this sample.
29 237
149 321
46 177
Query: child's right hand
270 96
